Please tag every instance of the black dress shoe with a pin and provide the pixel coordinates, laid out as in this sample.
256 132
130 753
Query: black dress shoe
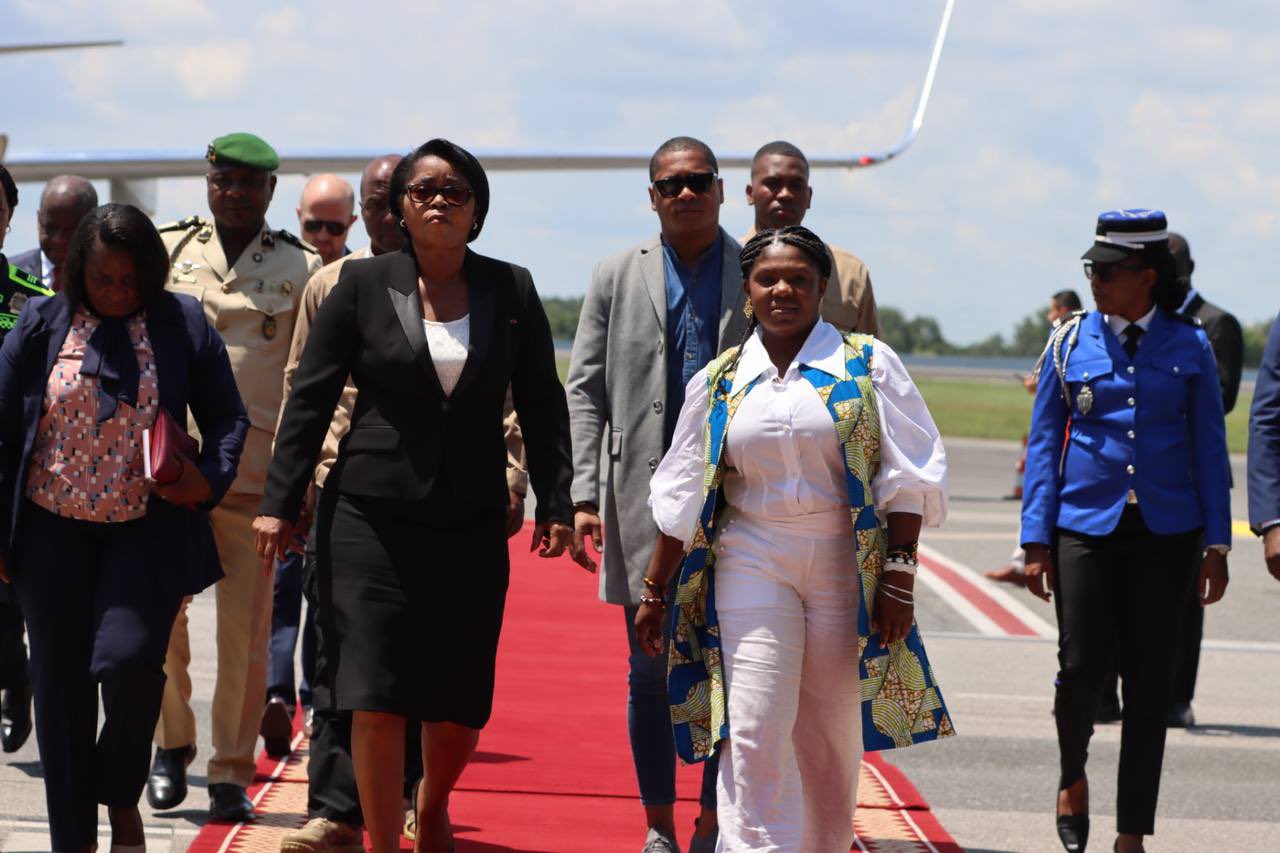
15 719
1180 716
277 728
167 784
1108 709
229 803
1073 831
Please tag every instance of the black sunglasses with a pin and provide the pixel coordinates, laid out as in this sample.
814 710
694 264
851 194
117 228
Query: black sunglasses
1105 272
453 194
311 226
699 182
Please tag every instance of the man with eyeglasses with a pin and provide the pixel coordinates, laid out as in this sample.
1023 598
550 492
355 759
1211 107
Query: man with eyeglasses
326 213
249 277
780 194
653 316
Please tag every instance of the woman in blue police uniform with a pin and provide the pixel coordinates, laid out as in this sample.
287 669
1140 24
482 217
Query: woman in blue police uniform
1126 467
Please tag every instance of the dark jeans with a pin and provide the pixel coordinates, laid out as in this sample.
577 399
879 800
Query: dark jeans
1120 598
653 747
97 620
331 777
286 621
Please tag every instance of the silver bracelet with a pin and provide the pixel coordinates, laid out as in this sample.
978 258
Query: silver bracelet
899 598
902 590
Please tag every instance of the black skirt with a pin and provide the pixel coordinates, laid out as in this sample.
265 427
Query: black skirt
412 598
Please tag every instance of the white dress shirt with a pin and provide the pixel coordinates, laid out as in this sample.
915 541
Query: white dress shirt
448 344
782 456
1118 324
46 270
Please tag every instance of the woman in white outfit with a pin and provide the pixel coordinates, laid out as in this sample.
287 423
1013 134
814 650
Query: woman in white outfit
802 467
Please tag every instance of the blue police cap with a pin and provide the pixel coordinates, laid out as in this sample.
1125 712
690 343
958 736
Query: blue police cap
1124 233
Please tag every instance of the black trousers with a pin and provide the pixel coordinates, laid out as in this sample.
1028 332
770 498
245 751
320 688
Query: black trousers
96 620
13 651
1120 598
331 778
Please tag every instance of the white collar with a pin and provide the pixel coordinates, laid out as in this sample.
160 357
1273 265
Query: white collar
1191 294
1118 324
823 350
46 266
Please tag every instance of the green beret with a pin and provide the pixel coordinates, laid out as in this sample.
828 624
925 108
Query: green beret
243 149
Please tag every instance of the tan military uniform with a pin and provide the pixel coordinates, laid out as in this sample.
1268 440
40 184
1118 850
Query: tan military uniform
849 303
315 292
252 303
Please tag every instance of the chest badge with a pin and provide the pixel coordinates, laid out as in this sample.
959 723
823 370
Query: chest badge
1084 400
269 328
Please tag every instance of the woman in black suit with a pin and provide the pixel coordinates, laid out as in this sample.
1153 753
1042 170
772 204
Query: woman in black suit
412 541
100 556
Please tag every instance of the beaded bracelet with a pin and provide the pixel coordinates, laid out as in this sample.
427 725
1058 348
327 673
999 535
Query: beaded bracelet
654 602
900 561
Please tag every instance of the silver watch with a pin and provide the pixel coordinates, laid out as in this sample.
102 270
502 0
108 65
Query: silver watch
1221 549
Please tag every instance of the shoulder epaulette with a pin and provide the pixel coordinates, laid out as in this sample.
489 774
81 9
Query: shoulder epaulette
297 241
22 278
1188 319
181 224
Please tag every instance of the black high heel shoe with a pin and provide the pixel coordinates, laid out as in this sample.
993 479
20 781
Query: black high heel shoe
1073 832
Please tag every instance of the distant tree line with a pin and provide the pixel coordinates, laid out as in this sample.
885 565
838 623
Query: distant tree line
923 335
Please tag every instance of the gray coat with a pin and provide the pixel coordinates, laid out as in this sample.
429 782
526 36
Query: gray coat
617 391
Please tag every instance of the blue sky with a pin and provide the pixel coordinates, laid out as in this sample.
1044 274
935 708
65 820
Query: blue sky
1044 113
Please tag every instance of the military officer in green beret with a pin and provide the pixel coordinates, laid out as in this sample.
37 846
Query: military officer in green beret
249 277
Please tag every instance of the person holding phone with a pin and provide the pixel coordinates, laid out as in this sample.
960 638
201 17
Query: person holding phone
100 556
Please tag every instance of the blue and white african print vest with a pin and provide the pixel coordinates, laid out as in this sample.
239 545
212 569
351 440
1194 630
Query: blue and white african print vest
901 702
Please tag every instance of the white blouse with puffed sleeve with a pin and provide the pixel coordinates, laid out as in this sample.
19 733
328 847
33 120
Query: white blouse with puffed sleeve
782 455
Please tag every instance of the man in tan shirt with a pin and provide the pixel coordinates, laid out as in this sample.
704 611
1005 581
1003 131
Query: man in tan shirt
780 193
249 279
335 817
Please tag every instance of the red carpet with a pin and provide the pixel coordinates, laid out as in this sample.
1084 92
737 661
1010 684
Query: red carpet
553 773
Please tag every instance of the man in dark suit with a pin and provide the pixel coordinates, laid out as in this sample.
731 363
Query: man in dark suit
66 200
1264 454
1227 341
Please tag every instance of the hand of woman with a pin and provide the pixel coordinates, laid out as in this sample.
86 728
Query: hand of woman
1212 584
515 513
891 617
1271 551
649 629
188 490
554 537
1039 571
271 539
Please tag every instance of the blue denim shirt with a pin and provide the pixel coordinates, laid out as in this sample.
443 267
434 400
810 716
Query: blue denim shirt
693 322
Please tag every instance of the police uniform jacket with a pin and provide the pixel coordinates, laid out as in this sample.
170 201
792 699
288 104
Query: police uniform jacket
1149 429
252 302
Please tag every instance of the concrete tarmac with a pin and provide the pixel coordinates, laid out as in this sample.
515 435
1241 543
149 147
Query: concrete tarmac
993 785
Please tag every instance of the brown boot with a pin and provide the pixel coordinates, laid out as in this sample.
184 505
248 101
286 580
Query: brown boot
322 835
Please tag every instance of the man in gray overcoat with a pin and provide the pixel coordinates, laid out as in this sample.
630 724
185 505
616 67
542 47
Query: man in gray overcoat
654 315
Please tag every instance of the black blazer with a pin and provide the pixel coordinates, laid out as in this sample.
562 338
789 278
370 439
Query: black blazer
192 370
1227 341
406 435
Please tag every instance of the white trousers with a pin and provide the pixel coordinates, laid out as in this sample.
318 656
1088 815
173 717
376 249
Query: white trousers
787 600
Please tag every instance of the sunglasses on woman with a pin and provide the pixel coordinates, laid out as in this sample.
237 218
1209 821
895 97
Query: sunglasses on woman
699 182
1105 272
312 226
453 194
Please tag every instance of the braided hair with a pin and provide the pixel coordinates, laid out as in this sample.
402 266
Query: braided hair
791 235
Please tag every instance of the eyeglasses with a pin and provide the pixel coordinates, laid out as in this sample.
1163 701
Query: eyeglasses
1105 272
337 229
453 194
699 182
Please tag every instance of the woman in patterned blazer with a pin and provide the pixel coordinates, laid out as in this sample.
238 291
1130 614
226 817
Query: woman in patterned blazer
796 509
